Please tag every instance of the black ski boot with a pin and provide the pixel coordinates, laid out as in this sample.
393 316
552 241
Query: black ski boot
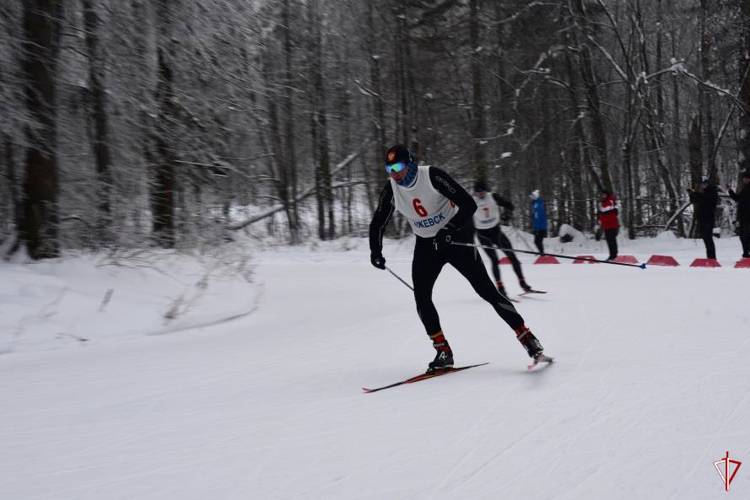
443 361
524 285
444 358
529 342
501 288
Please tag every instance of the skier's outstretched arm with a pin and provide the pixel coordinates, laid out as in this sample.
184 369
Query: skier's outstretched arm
502 202
379 220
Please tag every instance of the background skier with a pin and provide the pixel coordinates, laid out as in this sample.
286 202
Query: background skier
487 220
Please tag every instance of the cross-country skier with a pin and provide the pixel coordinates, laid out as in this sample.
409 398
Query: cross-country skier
487 220
439 211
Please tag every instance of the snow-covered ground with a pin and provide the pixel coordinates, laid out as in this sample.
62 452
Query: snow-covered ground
650 387
89 299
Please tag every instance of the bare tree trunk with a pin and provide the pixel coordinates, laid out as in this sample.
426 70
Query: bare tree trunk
575 149
143 15
291 163
164 186
676 132
545 156
100 121
319 125
479 126
378 119
345 143
502 99
655 136
279 171
598 128
705 95
696 151
15 209
676 127
627 161
399 46
632 123
280 175
696 159
659 62
41 29
743 61
411 118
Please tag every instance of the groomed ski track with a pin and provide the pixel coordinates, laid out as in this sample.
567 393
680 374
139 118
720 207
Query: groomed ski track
650 386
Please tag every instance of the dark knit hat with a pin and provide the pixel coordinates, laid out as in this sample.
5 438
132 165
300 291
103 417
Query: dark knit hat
480 186
746 174
398 153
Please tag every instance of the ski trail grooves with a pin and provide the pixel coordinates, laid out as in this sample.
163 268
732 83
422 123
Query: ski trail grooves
463 437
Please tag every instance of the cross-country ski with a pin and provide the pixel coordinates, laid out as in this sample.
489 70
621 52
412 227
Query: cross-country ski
424 376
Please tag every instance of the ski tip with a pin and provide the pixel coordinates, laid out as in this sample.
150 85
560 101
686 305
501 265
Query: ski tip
366 390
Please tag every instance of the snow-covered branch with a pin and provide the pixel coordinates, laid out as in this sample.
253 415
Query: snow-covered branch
525 9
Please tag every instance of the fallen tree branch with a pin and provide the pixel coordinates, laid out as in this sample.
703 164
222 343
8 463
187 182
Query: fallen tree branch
308 192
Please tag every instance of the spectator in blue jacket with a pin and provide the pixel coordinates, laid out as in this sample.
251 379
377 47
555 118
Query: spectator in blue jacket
538 220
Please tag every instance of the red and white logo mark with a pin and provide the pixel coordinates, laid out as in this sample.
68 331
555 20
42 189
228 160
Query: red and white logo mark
724 464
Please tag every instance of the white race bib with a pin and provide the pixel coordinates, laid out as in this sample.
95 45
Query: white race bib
424 207
487 215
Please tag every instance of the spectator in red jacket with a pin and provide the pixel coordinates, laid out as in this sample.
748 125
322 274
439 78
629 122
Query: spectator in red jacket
608 220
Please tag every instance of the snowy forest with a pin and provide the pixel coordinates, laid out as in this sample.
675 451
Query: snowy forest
171 123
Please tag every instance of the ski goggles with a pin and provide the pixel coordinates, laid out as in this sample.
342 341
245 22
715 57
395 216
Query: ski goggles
395 167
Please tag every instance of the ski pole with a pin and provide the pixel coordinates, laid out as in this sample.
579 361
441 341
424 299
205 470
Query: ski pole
641 266
520 236
399 278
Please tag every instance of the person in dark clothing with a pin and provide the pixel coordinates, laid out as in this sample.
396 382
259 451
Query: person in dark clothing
608 219
743 212
487 221
705 200
439 211
538 220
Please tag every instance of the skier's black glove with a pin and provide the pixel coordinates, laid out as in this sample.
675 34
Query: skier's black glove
506 216
444 238
377 260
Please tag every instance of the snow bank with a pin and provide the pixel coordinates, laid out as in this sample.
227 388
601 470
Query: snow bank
80 300
576 237
666 236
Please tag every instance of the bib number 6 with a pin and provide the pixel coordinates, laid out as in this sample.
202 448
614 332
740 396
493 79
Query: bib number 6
417 204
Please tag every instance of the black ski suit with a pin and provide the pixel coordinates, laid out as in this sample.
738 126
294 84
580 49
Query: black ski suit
705 214
428 262
494 236
743 215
